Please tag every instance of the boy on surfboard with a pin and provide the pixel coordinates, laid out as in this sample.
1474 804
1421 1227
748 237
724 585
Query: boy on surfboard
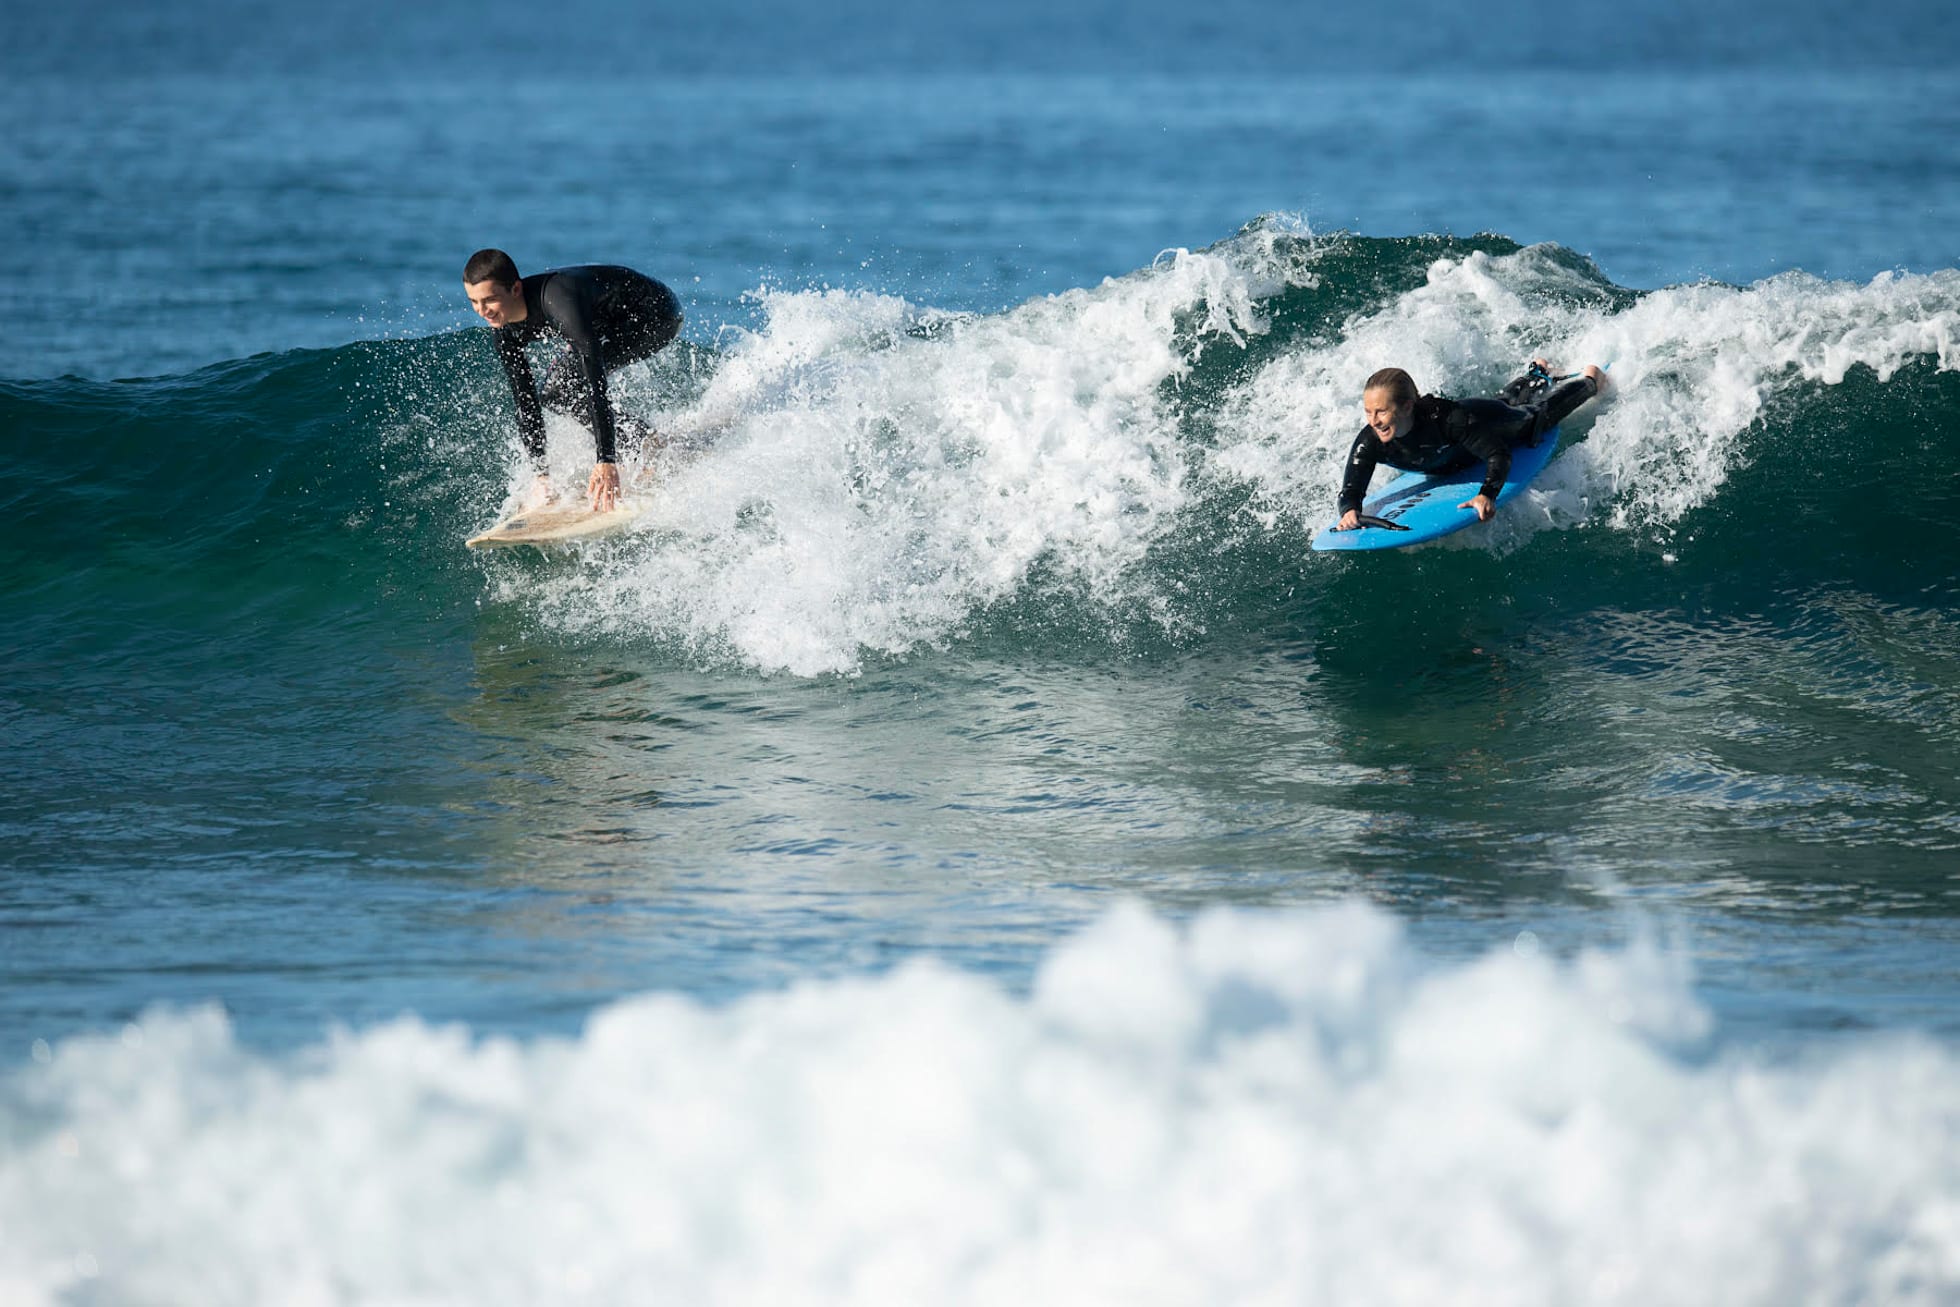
1428 433
609 316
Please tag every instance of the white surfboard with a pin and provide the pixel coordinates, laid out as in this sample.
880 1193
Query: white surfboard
560 522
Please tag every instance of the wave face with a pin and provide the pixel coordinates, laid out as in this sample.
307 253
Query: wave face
1274 1107
862 478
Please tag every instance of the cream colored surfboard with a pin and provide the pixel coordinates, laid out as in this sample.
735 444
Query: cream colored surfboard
559 523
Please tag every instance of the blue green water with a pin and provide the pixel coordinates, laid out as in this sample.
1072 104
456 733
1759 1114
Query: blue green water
964 847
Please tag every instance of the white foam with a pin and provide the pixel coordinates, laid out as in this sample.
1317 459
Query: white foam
883 472
1261 1108
1692 367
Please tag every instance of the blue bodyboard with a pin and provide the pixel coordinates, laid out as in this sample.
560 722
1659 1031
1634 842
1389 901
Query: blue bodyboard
1416 506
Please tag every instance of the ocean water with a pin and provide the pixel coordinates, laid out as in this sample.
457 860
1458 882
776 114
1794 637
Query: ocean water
965 848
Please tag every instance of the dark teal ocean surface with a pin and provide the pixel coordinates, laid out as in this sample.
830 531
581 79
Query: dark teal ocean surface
964 847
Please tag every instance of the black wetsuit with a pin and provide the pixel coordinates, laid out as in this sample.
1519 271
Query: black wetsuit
1452 434
610 317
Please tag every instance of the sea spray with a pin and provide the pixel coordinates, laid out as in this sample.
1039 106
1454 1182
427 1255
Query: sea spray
890 473
883 476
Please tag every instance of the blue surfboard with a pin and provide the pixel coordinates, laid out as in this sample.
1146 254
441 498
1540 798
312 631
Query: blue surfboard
1416 506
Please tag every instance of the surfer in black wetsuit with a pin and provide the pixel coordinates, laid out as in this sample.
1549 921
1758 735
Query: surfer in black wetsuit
1431 434
609 316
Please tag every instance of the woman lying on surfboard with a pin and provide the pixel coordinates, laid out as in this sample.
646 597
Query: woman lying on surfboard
1428 433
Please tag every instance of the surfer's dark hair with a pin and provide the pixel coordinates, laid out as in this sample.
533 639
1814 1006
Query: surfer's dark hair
1401 387
490 265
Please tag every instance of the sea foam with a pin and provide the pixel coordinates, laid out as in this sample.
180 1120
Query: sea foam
880 473
860 476
1254 1108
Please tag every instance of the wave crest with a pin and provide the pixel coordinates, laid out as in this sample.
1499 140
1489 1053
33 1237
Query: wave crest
860 477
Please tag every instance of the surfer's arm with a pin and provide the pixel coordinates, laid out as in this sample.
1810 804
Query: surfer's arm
524 393
1495 451
568 303
1361 460
1484 429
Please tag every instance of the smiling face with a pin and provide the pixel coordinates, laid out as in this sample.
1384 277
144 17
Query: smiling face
1387 418
495 304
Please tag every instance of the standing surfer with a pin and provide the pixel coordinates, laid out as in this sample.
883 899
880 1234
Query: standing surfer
609 316
1427 433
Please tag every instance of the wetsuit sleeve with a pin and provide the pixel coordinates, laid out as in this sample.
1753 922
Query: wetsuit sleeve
1361 460
1486 428
524 392
569 305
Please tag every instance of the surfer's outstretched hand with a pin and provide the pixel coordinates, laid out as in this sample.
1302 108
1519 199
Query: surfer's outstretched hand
604 487
1483 505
